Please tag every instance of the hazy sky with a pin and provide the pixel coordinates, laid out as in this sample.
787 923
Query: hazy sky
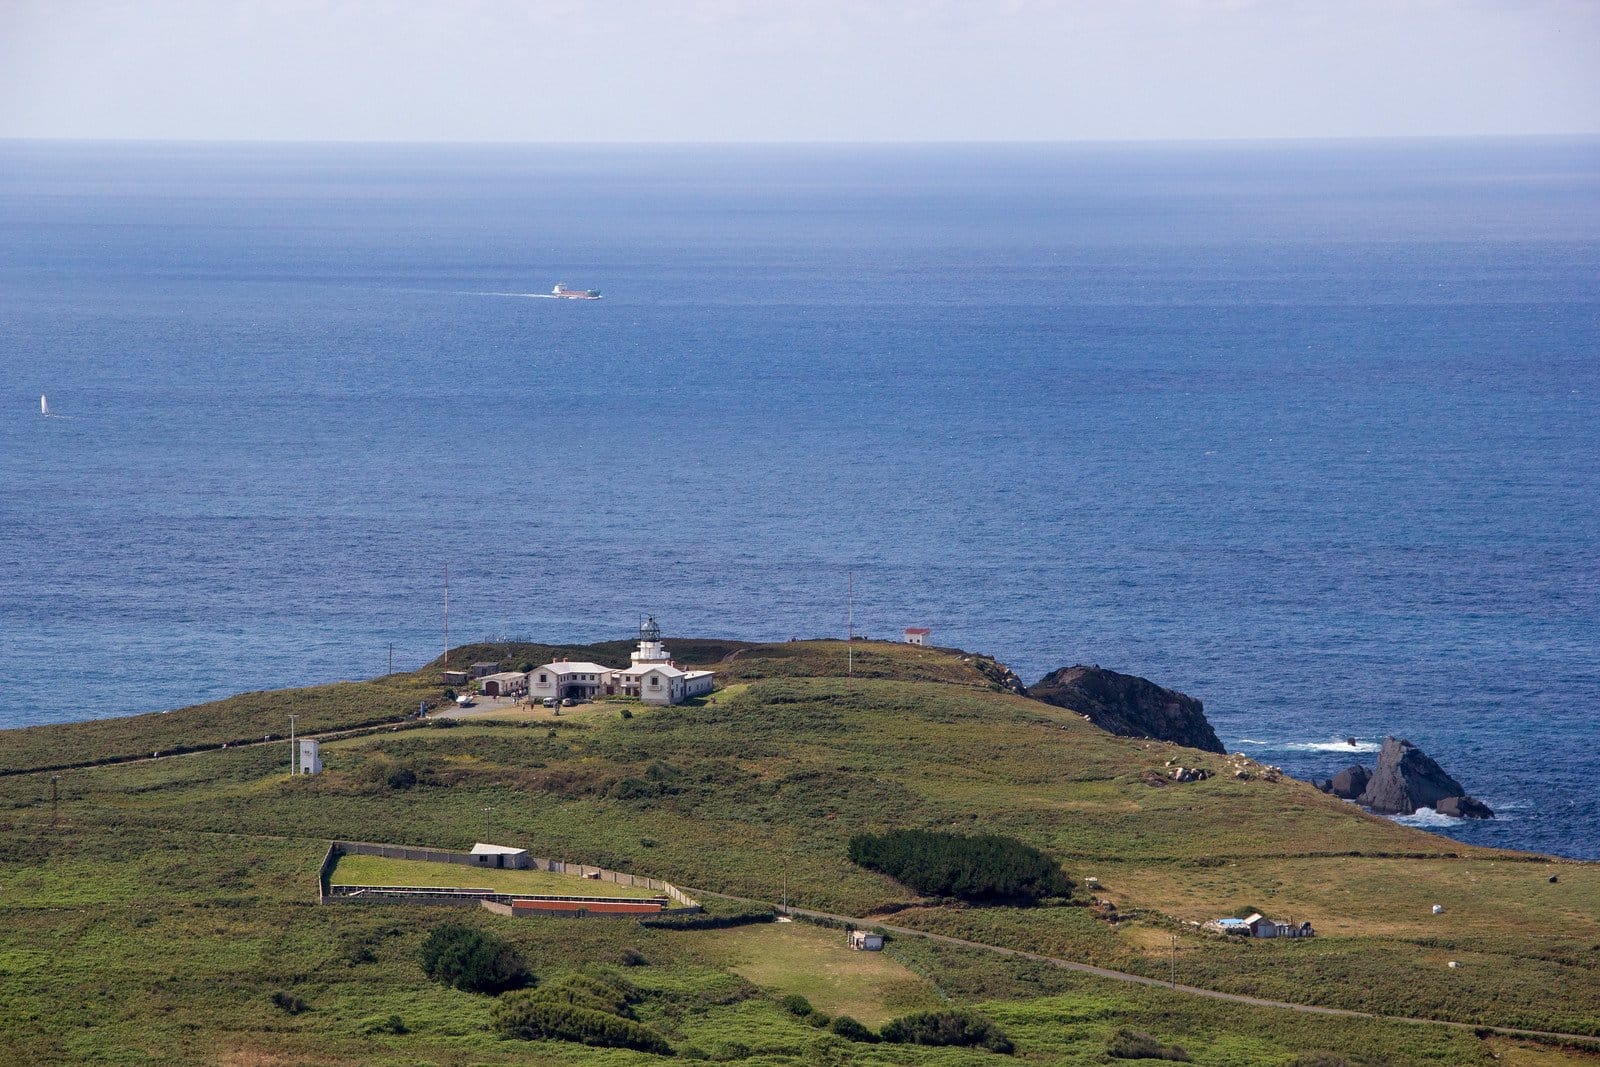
795 70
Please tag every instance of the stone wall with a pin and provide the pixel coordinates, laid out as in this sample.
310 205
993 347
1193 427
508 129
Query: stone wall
599 875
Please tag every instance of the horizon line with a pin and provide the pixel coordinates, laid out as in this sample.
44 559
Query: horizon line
1592 135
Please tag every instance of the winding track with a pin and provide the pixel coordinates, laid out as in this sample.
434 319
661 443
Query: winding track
1140 979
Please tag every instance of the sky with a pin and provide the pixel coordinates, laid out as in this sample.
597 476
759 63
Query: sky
795 70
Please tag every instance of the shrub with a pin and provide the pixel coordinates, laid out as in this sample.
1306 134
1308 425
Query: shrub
1134 1045
472 960
851 1030
985 868
948 1027
289 1004
797 1005
632 957
610 995
379 1024
703 921
523 1015
626 714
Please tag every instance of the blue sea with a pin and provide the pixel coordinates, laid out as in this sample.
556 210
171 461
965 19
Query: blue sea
1310 431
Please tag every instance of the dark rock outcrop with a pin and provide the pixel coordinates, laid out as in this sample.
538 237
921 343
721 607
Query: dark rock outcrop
1406 779
1128 706
1349 783
1464 808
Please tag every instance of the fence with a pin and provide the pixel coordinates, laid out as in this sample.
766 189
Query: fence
397 894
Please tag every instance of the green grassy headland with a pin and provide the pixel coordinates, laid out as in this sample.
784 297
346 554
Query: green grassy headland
173 897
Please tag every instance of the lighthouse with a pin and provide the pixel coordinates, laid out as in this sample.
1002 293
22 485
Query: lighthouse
650 650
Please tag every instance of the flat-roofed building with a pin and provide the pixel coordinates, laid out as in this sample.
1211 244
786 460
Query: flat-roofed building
503 684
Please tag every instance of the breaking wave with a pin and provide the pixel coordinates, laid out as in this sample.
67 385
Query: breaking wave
1337 745
1426 819
1334 746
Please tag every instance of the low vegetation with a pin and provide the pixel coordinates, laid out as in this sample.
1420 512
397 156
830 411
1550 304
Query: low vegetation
1137 1045
473 961
949 1027
984 869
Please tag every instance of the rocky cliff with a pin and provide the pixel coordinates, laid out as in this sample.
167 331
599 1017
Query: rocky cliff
1128 706
1408 779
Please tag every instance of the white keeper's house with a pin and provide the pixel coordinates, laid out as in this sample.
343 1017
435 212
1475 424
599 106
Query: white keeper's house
652 676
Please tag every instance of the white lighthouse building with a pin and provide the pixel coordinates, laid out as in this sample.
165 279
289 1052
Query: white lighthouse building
651 676
651 650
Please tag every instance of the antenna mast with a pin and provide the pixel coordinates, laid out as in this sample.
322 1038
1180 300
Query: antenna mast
850 624
447 616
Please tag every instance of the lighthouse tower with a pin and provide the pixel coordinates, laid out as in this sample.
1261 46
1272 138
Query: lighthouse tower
650 650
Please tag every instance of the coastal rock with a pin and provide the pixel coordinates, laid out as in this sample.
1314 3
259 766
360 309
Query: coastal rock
1464 808
1350 783
1128 706
1407 779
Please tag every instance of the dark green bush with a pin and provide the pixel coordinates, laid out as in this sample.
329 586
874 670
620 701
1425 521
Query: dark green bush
1134 1045
984 868
472 960
379 1024
523 1015
951 1026
632 957
851 1030
289 1004
703 921
797 1005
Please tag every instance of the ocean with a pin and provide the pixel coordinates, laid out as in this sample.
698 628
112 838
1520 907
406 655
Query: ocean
1310 431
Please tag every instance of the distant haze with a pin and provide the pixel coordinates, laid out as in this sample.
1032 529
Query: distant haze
818 70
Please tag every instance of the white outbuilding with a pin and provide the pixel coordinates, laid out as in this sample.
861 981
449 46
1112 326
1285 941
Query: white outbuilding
500 856
503 684
310 761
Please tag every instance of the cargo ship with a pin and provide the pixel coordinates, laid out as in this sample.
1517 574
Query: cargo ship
574 294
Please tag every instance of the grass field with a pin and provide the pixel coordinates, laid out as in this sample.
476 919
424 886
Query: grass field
175 898
383 871
872 987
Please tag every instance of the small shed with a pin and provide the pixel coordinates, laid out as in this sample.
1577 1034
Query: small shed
1260 925
500 856
310 758
862 941
503 684
481 670
917 635
456 678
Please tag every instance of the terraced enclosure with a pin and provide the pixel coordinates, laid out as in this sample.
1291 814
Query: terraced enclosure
419 874
156 922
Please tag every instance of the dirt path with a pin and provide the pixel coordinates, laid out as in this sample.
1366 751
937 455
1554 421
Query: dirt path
1145 980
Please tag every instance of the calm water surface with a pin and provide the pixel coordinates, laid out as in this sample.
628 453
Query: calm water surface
1311 432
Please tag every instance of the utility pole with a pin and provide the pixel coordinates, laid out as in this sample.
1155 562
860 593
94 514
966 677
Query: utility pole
1172 974
486 813
850 624
55 782
391 657
447 616
293 760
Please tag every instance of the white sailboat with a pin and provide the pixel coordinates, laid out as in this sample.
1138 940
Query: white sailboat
44 406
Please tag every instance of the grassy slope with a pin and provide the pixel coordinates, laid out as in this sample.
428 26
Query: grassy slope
175 898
